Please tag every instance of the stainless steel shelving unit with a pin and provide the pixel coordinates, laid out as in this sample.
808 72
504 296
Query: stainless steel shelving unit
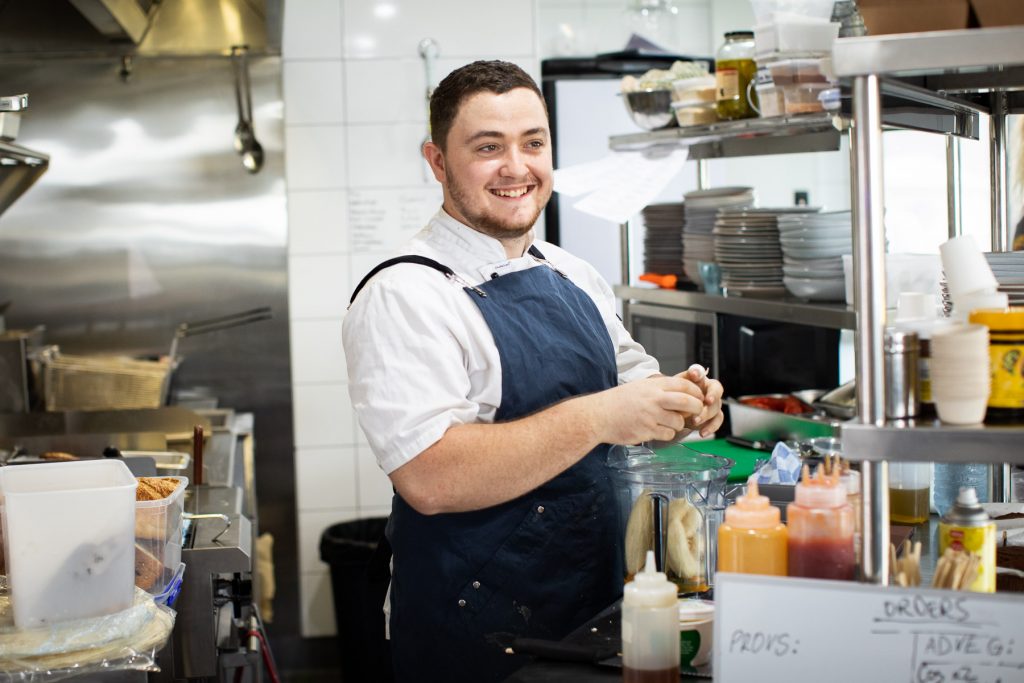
746 137
832 316
978 66
940 82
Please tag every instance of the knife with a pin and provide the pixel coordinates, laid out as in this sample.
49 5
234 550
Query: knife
552 649
757 445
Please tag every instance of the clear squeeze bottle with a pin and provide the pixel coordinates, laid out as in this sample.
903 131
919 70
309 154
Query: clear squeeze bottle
650 628
752 540
821 525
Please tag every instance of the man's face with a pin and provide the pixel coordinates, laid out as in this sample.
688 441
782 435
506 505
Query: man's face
496 170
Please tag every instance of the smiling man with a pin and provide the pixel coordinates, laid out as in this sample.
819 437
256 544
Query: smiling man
490 373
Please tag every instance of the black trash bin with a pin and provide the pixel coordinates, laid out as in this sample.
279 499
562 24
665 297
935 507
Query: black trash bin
359 581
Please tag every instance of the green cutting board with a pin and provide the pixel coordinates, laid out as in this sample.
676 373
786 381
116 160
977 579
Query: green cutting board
745 458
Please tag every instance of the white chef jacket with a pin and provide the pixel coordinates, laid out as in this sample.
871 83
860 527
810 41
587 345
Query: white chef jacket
420 356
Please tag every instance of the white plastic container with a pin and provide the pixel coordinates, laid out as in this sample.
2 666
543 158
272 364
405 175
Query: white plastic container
69 531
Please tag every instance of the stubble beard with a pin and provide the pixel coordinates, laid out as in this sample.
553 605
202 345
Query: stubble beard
487 223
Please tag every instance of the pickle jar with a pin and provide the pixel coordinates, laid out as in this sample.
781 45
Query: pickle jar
735 74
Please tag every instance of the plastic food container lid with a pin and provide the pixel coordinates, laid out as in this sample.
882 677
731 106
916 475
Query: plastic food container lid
695 610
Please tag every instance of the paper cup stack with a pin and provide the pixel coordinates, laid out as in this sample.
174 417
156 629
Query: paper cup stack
969 278
960 373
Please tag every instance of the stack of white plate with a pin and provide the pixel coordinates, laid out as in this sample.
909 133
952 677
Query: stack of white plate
663 238
747 250
1008 267
813 246
701 211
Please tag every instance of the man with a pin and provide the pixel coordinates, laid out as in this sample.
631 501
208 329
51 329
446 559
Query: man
490 372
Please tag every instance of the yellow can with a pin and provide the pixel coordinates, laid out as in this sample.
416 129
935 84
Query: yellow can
1006 354
966 526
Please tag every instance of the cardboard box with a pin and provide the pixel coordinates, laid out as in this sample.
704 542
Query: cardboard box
998 12
912 16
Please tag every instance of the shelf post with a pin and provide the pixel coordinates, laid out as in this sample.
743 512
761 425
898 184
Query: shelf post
703 181
624 252
954 188
869 301
999 170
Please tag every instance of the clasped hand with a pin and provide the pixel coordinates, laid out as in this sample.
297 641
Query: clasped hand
661 408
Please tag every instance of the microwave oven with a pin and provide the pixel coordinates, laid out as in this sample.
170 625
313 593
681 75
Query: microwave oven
748 355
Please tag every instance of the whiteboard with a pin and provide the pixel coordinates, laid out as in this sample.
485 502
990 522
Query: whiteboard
795 630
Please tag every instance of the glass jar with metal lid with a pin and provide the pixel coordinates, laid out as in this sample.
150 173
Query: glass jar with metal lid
735 72
1006 359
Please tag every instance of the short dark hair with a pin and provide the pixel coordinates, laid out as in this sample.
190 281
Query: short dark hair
491 76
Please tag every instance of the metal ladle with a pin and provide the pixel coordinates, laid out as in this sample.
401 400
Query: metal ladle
245 140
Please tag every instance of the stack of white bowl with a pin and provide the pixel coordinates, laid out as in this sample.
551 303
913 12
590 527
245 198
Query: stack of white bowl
960 376
813 246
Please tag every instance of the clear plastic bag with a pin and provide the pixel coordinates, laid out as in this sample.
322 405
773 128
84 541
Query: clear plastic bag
126 640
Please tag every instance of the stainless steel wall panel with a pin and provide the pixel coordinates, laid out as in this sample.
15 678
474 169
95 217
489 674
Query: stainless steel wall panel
146 219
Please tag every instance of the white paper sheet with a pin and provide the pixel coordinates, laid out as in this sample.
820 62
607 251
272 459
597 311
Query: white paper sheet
618 186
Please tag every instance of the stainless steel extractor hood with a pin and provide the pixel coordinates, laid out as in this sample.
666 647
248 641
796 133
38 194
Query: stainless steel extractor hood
20 168
144 28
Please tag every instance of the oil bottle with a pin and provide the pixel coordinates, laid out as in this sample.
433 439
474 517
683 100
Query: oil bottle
650 628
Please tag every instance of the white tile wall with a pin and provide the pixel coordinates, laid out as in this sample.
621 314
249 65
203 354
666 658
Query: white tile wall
318 286
326 478
374 486
317 605
323 415
462 28
368 99
313 92
399 144
314 157
317 353
561 28
318 222
312 30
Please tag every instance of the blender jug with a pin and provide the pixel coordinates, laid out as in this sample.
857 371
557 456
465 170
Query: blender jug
670 501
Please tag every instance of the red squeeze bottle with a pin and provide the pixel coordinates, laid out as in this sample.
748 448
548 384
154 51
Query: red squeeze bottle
821 525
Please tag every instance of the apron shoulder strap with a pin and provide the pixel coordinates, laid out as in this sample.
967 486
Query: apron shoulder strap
408 258
535 252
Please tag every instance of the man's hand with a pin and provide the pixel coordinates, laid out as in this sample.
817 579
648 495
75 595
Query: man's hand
710 418
651 409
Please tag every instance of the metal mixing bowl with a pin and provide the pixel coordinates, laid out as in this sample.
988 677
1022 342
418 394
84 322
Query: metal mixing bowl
650 109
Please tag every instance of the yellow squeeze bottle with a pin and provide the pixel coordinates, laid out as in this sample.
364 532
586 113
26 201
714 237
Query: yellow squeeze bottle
752 540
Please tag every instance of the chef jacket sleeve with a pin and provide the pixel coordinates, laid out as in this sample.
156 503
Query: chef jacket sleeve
407 377
632 360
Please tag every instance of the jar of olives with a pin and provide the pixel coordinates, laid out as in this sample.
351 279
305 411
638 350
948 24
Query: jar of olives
735 73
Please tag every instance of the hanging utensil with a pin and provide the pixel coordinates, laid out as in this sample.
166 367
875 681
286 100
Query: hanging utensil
429 51
197 455
245 140
197 327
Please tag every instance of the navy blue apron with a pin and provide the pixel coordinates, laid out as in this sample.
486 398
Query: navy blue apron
540 565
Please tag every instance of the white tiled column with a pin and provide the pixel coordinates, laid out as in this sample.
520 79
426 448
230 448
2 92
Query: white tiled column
355 116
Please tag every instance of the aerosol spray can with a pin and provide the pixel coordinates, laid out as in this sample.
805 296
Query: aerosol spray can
966 526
